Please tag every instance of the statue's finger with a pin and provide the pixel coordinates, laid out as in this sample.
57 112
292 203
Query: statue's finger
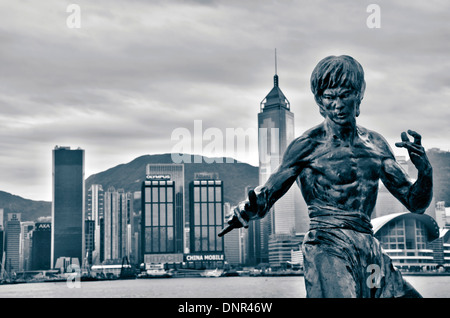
226 230
417 137
404 137
411 147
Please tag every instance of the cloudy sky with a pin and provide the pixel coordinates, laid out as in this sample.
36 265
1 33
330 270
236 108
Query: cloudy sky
135 71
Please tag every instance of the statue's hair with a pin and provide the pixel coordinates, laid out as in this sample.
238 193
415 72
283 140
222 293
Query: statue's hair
335 71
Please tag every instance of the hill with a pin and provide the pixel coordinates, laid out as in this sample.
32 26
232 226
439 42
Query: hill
30 210
440 161
235 176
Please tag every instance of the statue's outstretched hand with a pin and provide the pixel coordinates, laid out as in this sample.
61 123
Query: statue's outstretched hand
415 150
240 215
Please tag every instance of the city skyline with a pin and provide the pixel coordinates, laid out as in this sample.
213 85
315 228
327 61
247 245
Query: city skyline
119 85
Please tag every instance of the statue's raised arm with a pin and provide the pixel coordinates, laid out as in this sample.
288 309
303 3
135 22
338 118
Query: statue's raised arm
415 196
262 198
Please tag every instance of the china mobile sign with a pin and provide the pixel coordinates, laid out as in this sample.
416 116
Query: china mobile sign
204 257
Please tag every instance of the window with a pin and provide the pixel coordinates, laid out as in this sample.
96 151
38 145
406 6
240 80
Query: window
170 214
170 240
155 240
148 239
219 218
211 194
155 214
211 214
203 196
162 239
148 215
162 194
162 214
212 239
196 194
197 213
218 193
204 214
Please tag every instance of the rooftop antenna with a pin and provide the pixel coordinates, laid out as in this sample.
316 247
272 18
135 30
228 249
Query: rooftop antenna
275 61
275 78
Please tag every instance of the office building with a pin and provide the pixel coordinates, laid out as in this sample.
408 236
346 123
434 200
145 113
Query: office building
12 247
175 173
161 235
206 221
275 132
41 246
68 205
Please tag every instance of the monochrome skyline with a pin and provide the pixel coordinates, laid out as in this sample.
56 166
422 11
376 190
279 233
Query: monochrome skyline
135 71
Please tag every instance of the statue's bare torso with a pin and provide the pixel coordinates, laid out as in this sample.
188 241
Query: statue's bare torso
342 174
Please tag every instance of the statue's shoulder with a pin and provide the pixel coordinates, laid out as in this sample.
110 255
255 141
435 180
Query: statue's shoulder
304 145
375 139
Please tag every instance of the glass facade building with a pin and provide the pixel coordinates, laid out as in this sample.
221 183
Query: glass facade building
68 204
206 216
160 232
41 246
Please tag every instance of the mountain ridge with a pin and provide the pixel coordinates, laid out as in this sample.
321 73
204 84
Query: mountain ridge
236 177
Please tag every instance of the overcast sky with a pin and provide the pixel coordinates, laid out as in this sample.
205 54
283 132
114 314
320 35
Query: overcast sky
135 71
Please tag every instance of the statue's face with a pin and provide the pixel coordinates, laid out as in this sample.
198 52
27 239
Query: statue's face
341 105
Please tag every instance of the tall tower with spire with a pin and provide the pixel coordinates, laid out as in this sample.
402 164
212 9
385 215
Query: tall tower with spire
276 131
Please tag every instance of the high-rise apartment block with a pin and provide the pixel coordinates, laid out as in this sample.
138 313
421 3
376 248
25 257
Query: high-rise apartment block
117 228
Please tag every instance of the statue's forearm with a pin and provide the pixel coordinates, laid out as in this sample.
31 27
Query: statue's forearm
265 196
421 192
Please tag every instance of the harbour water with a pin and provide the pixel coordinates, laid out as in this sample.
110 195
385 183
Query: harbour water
213 287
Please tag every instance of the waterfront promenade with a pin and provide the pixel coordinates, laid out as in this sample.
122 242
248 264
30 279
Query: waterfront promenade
206 287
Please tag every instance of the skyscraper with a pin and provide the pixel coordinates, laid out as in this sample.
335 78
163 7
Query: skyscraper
159 225
95 212
12 242
176 173
116 224
276 131
68 205
41 246
206 221
26 234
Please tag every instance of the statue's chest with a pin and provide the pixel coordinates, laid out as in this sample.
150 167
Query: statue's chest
345 164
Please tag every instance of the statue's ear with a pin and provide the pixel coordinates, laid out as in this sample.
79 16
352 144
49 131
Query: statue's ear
321 107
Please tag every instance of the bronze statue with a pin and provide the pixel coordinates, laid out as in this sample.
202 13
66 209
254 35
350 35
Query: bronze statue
338 165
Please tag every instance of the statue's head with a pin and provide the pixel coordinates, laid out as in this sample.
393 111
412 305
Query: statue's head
338 72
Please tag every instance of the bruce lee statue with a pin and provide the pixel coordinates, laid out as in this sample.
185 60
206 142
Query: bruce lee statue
337 165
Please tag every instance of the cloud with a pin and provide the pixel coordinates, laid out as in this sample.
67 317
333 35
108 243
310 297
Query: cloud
137 70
